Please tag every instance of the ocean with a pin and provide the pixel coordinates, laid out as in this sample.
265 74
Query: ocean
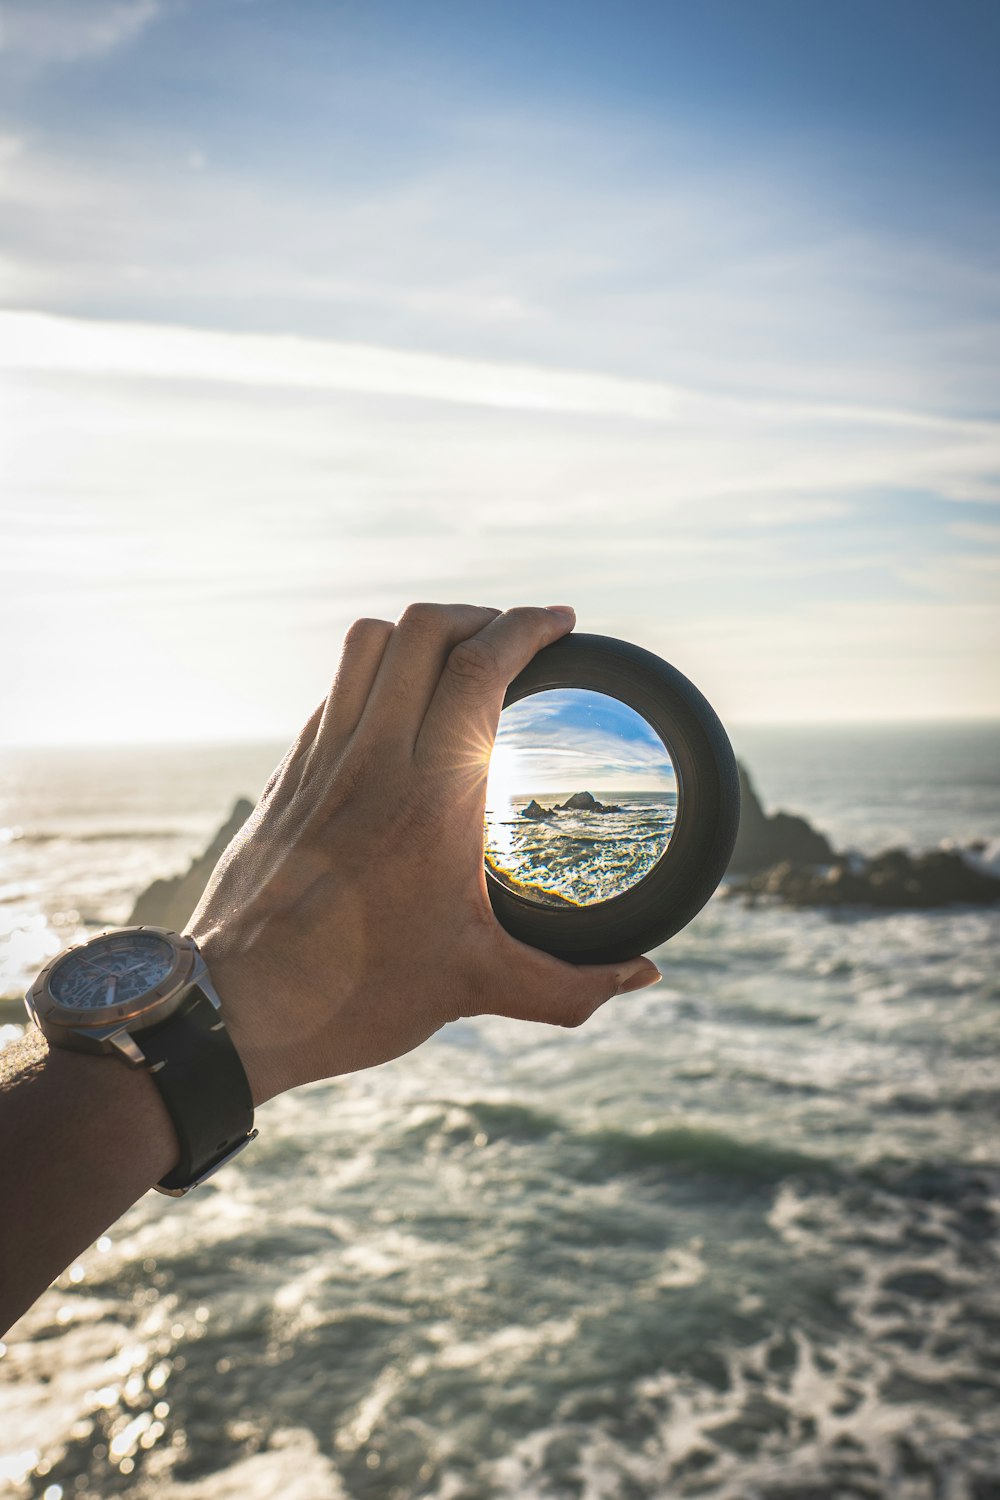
579 855
737 1237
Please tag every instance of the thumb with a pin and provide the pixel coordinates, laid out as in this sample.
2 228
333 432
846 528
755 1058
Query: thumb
542 988
636 975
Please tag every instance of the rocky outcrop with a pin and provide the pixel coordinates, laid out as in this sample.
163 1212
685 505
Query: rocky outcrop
579 802
585 802
535 811
779 856
894 880
169 903
767 840
785 857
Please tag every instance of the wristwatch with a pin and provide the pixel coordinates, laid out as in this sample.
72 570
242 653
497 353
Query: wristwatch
144 994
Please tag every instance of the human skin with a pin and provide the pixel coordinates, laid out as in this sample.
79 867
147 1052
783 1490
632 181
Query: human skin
347 922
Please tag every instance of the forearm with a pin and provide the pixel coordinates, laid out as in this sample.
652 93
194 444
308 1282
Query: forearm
81 1139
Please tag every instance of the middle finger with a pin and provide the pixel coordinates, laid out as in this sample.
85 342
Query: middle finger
411 668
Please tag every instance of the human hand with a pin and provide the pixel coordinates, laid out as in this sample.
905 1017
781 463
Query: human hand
349 918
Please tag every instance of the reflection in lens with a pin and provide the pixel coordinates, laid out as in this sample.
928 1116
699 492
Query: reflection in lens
581 798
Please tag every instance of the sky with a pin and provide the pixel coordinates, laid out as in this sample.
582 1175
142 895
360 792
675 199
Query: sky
575 740
688 316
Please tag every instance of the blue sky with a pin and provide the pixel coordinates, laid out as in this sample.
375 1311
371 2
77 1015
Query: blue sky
688 315
571 740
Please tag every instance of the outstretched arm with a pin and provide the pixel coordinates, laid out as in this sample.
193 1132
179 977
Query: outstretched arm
347 922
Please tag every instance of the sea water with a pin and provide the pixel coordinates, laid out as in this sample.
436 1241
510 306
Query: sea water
580 855
736 1237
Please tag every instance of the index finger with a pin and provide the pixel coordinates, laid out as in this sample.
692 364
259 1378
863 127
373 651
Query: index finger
465 708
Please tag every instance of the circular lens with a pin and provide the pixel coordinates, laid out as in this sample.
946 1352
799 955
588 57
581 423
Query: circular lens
606 717
581 799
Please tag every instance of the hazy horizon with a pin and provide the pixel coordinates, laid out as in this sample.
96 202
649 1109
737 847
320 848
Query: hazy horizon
734 728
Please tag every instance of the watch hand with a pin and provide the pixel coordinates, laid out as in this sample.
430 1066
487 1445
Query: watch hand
116 973
108 974
134 969
109 998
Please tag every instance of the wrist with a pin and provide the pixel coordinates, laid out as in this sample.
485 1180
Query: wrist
249 1002
140 1001
84 1137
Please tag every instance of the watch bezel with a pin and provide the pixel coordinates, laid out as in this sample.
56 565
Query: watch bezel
155 1005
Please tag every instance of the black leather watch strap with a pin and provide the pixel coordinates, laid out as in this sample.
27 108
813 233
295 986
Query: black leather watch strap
204 1086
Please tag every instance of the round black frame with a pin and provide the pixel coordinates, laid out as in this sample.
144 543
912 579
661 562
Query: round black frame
708 805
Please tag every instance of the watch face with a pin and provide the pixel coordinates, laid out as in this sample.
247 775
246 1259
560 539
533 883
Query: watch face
111 971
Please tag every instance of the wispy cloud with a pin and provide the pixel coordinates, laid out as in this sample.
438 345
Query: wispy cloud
41 342
38 342
43 32
525 244
790 565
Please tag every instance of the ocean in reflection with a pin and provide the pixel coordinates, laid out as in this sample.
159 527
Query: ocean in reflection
580 853
736 1237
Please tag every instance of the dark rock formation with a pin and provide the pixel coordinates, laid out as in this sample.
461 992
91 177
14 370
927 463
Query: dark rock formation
585 802
785 857
780 856
893 880
763 841
579 802
170 902
535 810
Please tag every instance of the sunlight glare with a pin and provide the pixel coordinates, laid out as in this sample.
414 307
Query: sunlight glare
501 783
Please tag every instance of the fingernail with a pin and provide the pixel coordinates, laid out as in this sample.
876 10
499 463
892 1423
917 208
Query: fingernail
561 609
637 977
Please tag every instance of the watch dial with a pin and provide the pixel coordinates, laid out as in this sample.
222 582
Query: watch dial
111 971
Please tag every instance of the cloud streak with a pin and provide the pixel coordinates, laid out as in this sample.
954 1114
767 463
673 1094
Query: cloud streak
523 243
46 32
40 342
35 341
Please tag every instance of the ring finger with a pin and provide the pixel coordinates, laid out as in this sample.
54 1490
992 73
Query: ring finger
364 647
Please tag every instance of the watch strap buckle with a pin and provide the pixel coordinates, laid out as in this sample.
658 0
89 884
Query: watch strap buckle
179 1190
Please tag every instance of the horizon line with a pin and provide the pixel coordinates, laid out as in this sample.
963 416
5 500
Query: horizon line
279 738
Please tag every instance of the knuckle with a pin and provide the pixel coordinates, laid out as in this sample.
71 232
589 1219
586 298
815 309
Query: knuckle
350 779
474 662
525 614
422 617
362 632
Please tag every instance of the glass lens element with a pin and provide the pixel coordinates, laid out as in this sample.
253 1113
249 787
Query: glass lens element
581 798
111 970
